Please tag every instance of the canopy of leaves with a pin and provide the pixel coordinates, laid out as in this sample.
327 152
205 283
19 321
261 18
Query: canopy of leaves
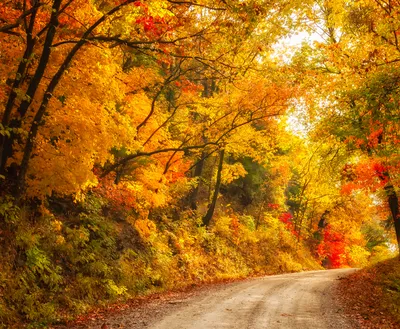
125 123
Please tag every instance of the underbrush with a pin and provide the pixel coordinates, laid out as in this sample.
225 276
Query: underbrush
59 261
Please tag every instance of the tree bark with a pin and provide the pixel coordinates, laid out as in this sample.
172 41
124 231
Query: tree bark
44 59
211 208
198 170
393 202
5 141
260 211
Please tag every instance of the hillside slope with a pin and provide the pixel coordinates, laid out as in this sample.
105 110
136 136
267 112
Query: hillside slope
372 295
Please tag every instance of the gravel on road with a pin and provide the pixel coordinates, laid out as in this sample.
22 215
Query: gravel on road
289 301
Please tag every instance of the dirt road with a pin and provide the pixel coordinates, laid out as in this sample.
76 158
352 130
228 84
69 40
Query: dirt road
295 301
290 301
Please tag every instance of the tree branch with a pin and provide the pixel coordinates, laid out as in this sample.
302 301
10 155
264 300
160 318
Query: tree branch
6 28
49 93
141 154
172 77
194 4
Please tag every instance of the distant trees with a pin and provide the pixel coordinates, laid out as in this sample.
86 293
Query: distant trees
357 95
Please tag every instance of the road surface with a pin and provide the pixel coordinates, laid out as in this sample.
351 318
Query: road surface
290 301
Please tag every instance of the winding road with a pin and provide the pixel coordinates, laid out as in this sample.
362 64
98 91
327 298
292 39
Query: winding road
295 301
289 301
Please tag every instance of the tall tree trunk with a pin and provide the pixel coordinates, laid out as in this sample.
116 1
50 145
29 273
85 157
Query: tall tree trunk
198 170
43 61
393 202
7 141
211 208
38 118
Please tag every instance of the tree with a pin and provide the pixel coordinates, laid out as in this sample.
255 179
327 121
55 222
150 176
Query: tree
355 100
176 44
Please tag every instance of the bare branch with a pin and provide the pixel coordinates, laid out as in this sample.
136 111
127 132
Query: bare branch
217 142
194 4
173 77
161 126
166 150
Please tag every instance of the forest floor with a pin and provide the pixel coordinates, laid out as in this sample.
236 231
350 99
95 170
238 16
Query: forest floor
371 296
299 300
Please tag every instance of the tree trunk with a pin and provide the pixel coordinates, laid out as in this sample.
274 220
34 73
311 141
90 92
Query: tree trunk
323 221
5 141
393 202
211 208
198 170
38 118
260 212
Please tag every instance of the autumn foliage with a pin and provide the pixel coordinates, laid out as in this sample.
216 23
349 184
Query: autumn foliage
332 249
146 145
